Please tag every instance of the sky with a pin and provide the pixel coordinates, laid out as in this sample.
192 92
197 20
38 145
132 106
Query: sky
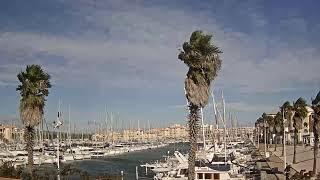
121 55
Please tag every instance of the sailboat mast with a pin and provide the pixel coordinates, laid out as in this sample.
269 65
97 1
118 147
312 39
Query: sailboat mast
216 122
111 119
58 143
236 125
69 128
215 111
225 131
149 130
106 121
203 133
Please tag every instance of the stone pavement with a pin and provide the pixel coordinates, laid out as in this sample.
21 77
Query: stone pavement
273 162
304 158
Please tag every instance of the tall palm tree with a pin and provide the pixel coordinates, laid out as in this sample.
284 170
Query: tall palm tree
268 126
34 88
316 127
202 58
287 111
259 126
300 112
277 122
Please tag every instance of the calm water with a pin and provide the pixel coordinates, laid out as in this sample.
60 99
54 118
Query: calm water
127 162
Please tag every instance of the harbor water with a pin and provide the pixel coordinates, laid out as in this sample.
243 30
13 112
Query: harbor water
127 162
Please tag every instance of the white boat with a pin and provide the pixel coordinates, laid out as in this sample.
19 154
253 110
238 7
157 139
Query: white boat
68 157
81 152
97 154
201 173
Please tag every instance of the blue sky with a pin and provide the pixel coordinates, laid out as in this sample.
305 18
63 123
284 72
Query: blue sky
123 54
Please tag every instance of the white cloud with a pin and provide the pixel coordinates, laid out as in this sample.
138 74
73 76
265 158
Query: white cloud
245 107
129 45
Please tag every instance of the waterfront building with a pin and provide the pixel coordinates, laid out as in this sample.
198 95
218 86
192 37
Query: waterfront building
306 131
11 133
173 132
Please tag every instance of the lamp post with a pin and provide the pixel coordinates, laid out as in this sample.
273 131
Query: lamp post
265 138
284 141
57 124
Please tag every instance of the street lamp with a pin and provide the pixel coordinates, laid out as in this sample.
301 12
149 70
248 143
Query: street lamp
56 125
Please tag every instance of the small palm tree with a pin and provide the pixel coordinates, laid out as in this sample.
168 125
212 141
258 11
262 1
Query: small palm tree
34 89
202 58
300 112
268 126
259 125
287 111
278 123
316 128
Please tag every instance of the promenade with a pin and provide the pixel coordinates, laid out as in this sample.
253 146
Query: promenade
304 158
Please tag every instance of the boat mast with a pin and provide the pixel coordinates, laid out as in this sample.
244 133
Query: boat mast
69 128
41 134
106 121
216 122
203 133
58 143
236 125
225 131
111 128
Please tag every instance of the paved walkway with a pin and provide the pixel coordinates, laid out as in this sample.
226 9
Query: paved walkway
304 157
273 162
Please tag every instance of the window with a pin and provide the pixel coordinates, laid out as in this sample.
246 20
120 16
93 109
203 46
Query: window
200 176
207 176
216 176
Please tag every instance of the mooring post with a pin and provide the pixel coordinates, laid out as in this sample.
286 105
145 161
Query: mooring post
137 175
146 169
121 175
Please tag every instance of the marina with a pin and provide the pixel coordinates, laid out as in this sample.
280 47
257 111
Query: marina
159 90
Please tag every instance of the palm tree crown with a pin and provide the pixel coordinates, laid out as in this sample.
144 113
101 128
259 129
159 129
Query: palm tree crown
204 63
33 89
300 112
287 111
278 123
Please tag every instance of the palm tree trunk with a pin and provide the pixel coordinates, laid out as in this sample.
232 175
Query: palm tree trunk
315 148
283 141
275 143
295 145
29 140
193 134
268 139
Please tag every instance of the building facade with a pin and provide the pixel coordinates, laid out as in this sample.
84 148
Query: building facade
11 133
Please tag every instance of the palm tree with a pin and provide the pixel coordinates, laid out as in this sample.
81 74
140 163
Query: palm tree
278 123
268 126
34 89
259 125
300 112
316 127
287 111
202 58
